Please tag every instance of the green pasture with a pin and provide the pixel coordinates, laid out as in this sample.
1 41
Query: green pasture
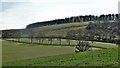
106 57
35 54
58 29
60 26
17 51
66 42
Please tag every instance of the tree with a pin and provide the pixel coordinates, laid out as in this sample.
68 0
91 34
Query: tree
19 33
90 26
80 35
59 39
82 46
31 37
113 16
40 36
110 16
50 39
68 40
90 34
118 33
70 35
117 17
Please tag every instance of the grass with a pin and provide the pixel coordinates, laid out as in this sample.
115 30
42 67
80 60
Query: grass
60 26
62 32
0 52
20 54
59 29
55 41
17 51
72 43
106 57
106 45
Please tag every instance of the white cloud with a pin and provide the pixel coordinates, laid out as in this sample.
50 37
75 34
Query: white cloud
42 10
119 7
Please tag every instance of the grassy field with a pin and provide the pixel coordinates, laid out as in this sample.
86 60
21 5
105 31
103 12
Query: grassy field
61 26
59 29
62 32
106 57
17 51
0 52
64 42
22 54
105 45
26 54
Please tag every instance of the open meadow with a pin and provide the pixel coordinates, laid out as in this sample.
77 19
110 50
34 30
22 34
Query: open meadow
21 54
55 45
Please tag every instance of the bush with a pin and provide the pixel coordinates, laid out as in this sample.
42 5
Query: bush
82 46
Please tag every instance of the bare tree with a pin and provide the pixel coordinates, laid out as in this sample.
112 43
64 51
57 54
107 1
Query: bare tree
17 35
31 35
80 35
42 37
50 39
68 40
82 46
70 34
39 36
59 39
118 30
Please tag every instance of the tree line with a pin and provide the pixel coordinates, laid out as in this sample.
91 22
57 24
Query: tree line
75 19
105 31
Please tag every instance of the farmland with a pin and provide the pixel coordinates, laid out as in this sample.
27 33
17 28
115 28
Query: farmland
16 51
59 33
57 30
63 42
32 51
107 57
20 54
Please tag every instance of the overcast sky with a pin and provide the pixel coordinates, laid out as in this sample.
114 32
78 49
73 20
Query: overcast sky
16 14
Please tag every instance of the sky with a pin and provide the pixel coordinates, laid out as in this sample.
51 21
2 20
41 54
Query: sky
17 14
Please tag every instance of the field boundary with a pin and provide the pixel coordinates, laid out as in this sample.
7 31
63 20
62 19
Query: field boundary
50 44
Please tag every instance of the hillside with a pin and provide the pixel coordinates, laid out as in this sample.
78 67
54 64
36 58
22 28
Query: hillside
56 30
25 47
107 57
81 18
49 30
